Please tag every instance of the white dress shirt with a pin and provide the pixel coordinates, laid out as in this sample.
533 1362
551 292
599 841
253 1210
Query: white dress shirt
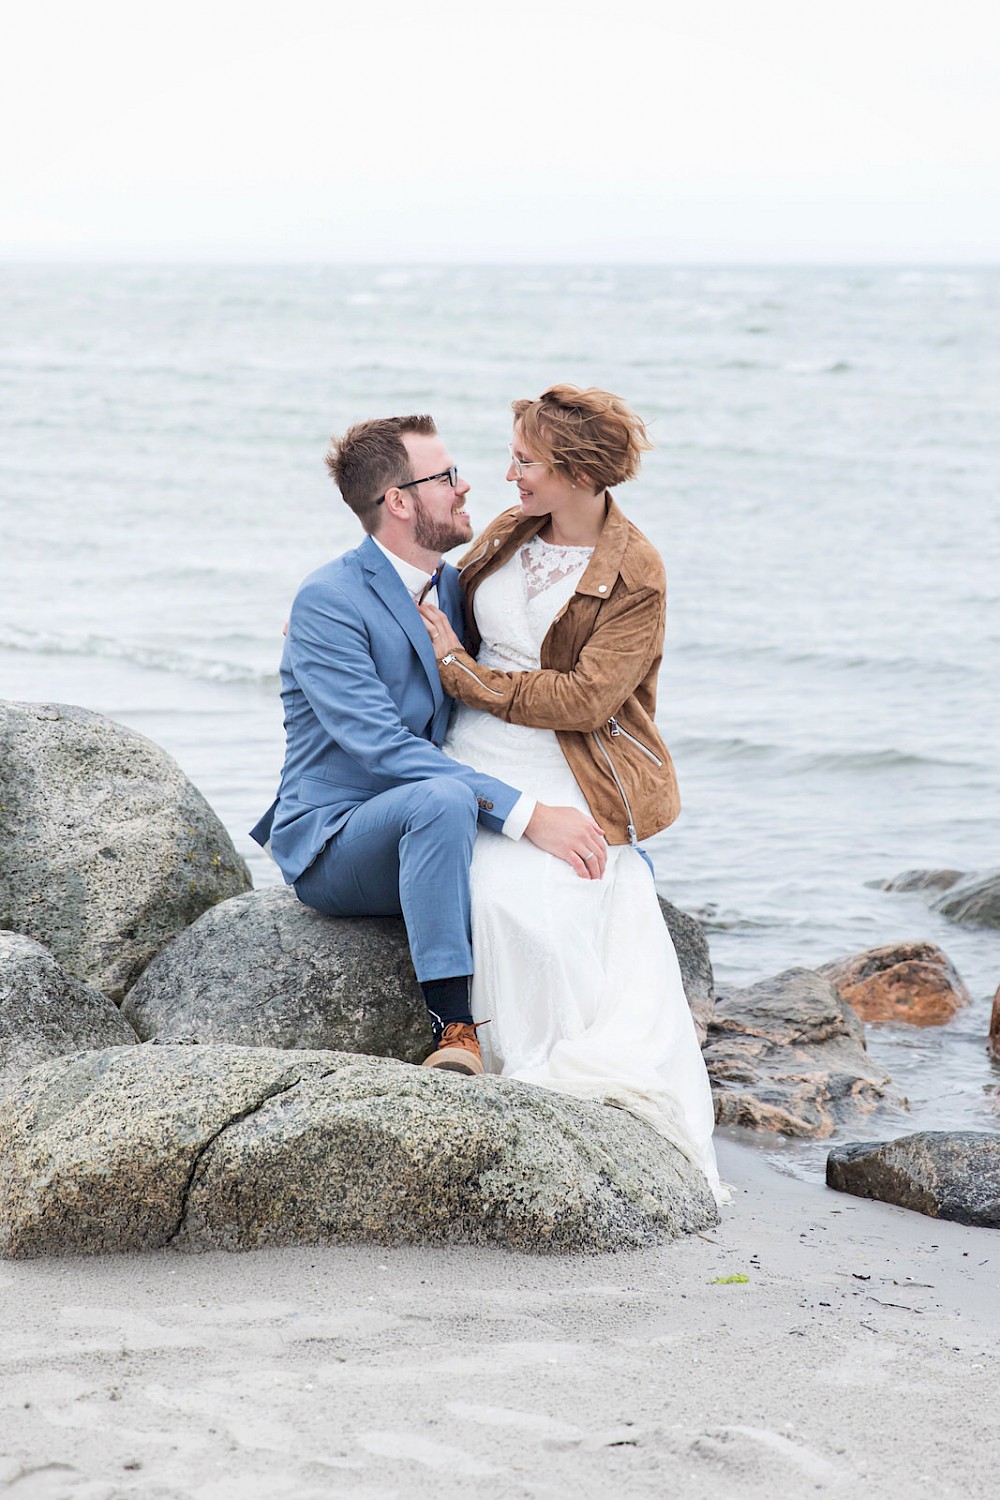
415 580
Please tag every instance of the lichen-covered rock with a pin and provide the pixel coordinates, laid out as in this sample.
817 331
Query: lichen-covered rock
226 1147
262 970
45 1014
973 902
691 946
106 849
948 1174
788 1055
912 982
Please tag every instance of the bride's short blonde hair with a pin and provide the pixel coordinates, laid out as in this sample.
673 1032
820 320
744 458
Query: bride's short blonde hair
590 433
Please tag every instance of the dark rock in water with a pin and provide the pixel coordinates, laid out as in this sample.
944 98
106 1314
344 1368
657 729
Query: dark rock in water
262 970
788 1055
106 849
948 1174
45 1014
994 1038
234 1148
912 982
691 946
919 880
974 902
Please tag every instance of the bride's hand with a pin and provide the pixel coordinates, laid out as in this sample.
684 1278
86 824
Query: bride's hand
443 638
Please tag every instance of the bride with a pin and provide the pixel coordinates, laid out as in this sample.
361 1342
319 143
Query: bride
565 601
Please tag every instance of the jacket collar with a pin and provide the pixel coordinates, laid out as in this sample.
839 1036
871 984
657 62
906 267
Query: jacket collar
506 534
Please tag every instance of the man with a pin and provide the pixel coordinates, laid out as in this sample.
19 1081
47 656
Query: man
371 817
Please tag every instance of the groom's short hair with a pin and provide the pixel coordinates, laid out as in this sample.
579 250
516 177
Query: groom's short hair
370 458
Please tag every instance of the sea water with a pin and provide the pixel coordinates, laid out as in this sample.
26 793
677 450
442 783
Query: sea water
823 491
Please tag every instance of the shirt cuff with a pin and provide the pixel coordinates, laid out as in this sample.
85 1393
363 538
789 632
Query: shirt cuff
519 816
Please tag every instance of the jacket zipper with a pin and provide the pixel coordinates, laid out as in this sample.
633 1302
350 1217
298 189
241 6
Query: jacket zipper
616 729
632 835
446 661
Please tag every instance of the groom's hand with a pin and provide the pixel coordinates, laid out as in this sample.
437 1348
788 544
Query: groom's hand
570 835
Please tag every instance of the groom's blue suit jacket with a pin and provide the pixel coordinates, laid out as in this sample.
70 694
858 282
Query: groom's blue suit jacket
364 707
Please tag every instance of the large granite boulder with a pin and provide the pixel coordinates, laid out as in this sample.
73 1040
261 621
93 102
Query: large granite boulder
948 1174
45 1014
106 849
137 1148
973 902
912 982
262 970
691 946
788 1055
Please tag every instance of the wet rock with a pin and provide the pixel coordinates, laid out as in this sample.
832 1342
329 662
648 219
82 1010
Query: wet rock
262 970
912 982
137 1148
974 902
920 880
691 946
106 849
45 1014
948 1174
994 1037
788 1055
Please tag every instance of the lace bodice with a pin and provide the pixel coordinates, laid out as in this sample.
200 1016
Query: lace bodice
515 607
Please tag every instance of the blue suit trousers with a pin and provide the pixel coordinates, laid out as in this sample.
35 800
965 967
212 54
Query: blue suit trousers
406 850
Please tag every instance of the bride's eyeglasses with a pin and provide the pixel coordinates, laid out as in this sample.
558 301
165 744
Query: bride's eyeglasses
520 464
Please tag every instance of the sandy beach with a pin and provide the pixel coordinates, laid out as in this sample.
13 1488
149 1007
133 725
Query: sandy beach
859 1357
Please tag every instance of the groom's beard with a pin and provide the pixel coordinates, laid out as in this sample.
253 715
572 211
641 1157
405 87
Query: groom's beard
439 536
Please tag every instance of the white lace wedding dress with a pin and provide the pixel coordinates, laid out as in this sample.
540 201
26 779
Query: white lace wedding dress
579 978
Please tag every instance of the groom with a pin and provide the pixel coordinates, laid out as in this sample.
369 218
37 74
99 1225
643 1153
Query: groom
371 817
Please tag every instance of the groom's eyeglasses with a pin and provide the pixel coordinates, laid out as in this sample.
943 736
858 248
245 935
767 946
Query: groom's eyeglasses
450 474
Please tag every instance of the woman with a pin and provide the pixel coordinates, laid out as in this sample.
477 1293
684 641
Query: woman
565 600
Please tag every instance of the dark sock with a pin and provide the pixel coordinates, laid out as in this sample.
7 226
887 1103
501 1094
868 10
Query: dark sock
447 1000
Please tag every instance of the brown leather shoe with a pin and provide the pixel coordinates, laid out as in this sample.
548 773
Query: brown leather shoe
458 1050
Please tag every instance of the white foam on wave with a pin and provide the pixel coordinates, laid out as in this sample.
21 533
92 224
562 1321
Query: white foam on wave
154 658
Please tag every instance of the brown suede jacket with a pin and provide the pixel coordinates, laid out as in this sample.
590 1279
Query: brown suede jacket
597 683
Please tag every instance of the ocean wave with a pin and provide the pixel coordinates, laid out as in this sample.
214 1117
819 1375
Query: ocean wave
828 660
152 658
793 759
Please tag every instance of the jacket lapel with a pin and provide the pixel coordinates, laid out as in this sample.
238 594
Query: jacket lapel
386 582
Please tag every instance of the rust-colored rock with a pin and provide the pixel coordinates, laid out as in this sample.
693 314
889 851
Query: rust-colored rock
994 1041
911 982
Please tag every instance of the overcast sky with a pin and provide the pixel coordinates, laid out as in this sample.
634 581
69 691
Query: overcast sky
687 130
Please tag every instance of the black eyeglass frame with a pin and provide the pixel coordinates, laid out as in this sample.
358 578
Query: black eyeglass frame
450 474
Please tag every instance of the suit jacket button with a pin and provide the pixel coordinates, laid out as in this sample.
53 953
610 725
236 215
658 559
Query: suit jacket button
486 805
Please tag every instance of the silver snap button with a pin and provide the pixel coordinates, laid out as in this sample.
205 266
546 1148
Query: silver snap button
602 588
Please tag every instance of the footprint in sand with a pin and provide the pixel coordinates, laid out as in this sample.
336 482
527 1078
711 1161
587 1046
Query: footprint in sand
54 1482
760 1454
411 1448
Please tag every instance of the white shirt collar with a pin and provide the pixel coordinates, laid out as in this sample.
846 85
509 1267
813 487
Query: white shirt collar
414 578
